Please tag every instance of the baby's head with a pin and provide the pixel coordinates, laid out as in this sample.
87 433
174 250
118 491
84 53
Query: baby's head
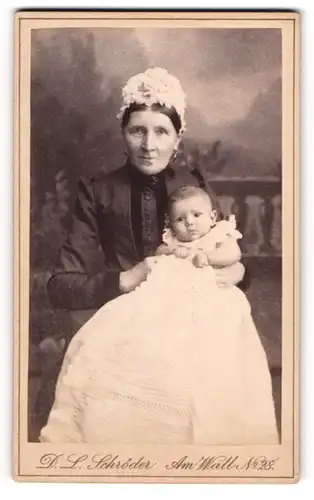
191 213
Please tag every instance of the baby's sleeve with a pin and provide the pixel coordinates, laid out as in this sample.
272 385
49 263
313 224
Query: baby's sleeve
223 239
225 231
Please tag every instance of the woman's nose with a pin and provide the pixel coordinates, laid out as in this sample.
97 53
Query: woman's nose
149 143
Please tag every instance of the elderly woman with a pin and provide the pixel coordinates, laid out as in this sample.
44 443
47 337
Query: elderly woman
123 212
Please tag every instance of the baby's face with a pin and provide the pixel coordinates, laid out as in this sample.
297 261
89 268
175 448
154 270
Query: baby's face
191 218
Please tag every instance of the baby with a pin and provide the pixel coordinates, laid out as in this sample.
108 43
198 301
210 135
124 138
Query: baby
192 219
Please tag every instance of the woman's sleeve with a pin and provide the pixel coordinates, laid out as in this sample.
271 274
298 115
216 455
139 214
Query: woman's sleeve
226 253
73 284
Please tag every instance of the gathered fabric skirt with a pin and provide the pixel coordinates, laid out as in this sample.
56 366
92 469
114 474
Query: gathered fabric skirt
178 360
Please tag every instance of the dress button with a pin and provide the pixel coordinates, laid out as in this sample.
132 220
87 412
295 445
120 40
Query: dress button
147 195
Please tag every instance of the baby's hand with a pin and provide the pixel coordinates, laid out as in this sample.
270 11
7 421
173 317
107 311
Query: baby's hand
181 252
200 259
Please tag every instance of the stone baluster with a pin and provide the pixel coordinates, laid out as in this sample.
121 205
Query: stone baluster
254 237
275 232
227 205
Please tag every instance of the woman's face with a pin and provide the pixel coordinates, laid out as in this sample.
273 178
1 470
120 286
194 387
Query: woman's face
150 139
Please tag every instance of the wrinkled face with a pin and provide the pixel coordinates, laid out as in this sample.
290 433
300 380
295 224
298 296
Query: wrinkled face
150 139
192 218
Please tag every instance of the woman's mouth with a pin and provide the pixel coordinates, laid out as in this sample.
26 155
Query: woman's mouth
146 160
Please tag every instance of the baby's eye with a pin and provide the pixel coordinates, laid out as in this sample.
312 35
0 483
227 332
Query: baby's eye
179 219
197 214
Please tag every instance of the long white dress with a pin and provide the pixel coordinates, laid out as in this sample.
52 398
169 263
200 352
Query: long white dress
178 360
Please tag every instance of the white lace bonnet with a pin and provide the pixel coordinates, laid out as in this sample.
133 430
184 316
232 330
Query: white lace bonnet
154 86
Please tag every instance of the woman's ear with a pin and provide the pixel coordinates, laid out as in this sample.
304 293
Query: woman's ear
213 217
178 140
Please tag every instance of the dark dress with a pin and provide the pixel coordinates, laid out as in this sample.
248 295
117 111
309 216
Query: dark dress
123 213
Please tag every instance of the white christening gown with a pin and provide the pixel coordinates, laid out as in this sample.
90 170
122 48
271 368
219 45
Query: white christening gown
178 360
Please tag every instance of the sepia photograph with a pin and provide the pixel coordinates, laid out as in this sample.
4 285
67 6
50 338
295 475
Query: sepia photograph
156 278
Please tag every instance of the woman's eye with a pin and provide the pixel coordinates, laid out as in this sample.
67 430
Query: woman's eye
161 131
136 131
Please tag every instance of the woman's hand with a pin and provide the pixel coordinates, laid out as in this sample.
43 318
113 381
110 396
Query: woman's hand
164 249
230 275
132 278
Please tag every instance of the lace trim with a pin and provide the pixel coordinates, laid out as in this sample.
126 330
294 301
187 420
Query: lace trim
146 404
153 86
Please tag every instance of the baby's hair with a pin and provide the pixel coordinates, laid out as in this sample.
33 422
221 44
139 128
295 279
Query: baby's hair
186 192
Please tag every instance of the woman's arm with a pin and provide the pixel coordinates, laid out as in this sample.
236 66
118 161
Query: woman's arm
73 284
245 279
